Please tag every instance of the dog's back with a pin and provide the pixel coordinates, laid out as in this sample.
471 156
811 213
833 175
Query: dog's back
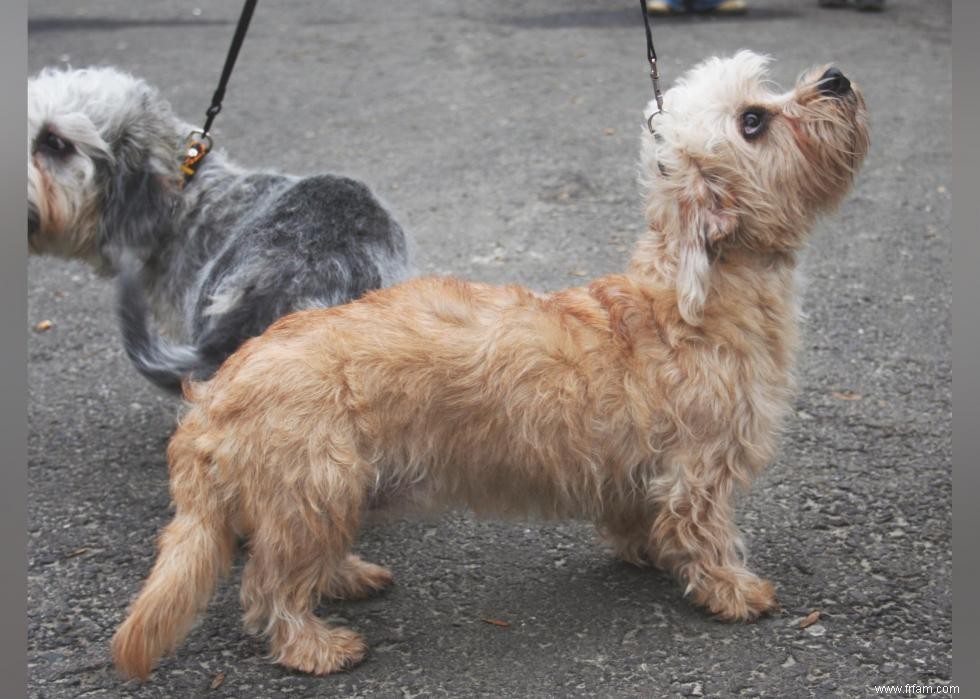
313 242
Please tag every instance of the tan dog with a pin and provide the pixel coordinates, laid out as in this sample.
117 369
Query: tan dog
640 401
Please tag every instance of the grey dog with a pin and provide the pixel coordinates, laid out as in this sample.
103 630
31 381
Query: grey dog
214 260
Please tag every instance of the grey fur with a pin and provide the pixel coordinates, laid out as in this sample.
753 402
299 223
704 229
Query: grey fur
219 260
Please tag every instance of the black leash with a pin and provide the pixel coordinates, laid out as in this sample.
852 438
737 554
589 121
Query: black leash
199 142
654 71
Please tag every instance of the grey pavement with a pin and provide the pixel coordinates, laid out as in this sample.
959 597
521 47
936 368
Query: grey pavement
504 135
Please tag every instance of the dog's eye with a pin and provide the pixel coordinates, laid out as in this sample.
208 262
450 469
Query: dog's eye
53 144
753 123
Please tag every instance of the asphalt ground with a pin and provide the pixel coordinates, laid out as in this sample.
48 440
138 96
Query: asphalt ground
504 136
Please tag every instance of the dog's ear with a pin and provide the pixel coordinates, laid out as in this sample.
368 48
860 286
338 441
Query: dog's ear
139 191
706 216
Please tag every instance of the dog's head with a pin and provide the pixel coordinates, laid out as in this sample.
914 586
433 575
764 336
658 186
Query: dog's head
101 156
733 164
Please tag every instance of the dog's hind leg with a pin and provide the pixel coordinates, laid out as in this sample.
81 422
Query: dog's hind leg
628 531
293 547
354 579
694 537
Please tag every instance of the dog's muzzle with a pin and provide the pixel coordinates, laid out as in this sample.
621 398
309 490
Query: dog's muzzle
833 83
33 220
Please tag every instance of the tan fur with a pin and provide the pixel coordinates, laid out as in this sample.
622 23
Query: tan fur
68 220
640 402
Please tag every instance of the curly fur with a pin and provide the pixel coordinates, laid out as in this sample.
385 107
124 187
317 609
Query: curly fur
215 261
641 401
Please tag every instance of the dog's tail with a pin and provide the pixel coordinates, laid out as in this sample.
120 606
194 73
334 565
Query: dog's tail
163 363
195 550
194 553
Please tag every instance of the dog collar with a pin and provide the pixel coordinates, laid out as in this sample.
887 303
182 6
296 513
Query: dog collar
197 145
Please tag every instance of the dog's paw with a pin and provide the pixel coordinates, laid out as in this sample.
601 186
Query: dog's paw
320 650
356 579
736 596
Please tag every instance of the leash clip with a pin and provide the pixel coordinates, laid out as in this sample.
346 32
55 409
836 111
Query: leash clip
197 145
657 95
655 79
654 70
196 148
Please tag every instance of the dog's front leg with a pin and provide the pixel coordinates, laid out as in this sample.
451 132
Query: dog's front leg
695 538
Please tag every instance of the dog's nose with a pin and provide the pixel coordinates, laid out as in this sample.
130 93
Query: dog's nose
833 83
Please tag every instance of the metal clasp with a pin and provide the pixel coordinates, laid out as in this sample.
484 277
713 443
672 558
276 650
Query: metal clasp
197 145
657 95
